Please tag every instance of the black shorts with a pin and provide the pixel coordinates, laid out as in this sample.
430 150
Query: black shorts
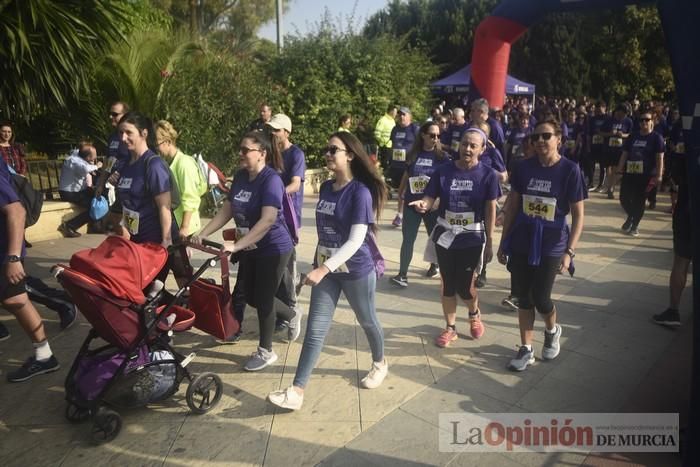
8 290
395 175
682 236
598 154
458 270
612 158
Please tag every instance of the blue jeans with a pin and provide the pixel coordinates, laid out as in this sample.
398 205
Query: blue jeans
324 299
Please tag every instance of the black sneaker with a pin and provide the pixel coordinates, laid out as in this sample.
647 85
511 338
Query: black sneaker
627 225
652 205
433 270
481 280
232 339
4 333
668 318
281 325
511 302
67 315
31 368
67 231
399 280
610 195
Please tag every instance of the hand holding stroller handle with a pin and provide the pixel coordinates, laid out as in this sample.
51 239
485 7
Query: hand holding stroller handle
218 246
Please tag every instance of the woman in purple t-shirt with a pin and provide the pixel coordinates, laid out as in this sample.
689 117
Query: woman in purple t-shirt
424 157
263 242
537 243
344 262
468 191
642 161
143 213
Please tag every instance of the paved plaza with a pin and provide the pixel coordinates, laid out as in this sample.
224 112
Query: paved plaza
613 359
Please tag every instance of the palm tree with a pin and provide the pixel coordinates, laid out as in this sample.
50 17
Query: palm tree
48 47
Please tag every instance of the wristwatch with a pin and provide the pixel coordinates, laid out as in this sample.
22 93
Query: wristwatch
571 253
12 259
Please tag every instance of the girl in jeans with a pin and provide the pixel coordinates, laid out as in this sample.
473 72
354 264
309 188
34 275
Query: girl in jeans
263 240
344 214
423 159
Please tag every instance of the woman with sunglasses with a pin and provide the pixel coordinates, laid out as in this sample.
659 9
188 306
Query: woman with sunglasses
263 244
345 222
468 191
641 161
424 157
537 243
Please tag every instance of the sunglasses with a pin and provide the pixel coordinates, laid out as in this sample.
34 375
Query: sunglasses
245 150
535 137
433 135
114 114
645 119
332 150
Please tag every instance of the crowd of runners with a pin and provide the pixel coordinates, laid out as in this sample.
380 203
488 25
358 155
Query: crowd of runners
464 173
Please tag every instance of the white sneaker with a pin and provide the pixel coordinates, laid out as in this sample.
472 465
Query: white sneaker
376 375
287 399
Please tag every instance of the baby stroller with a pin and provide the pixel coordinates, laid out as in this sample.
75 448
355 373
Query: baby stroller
137 365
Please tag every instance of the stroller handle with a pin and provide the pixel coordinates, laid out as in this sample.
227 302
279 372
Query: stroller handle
216 245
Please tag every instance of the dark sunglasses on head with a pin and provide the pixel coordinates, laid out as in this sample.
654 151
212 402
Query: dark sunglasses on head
535 137
332 150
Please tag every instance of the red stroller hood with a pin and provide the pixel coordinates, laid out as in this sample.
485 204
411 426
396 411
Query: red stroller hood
122 267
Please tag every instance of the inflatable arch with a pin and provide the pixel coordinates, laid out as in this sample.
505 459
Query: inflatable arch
681 23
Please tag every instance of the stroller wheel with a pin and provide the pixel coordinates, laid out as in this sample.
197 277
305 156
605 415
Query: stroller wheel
204 392
107 426
76 414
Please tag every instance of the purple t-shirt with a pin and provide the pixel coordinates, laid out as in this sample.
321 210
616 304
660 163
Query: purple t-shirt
419 173
136 194
247 200
515 141
118 150
497 137
402 139
558 185
595 126
643 150
294 166
8 195
336 213
464 191
452 137
492 158
614 143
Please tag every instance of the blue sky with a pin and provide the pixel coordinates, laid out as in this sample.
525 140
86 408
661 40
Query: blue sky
303 14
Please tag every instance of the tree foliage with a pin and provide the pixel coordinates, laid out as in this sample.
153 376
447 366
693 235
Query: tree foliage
211 99
47 45
614 54
325 75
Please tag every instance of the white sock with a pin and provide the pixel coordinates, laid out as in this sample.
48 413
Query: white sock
528 347
551 331
42 351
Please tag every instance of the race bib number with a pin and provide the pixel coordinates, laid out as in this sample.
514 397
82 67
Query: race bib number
540 206
325 252
635 167
516 149
570 144
418 184
597 139
399 155
130 220
459 220
615 142
680 148
242 232
455 145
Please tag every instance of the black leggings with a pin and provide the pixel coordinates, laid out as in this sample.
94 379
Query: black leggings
633 196
457 270
261 277
532 285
